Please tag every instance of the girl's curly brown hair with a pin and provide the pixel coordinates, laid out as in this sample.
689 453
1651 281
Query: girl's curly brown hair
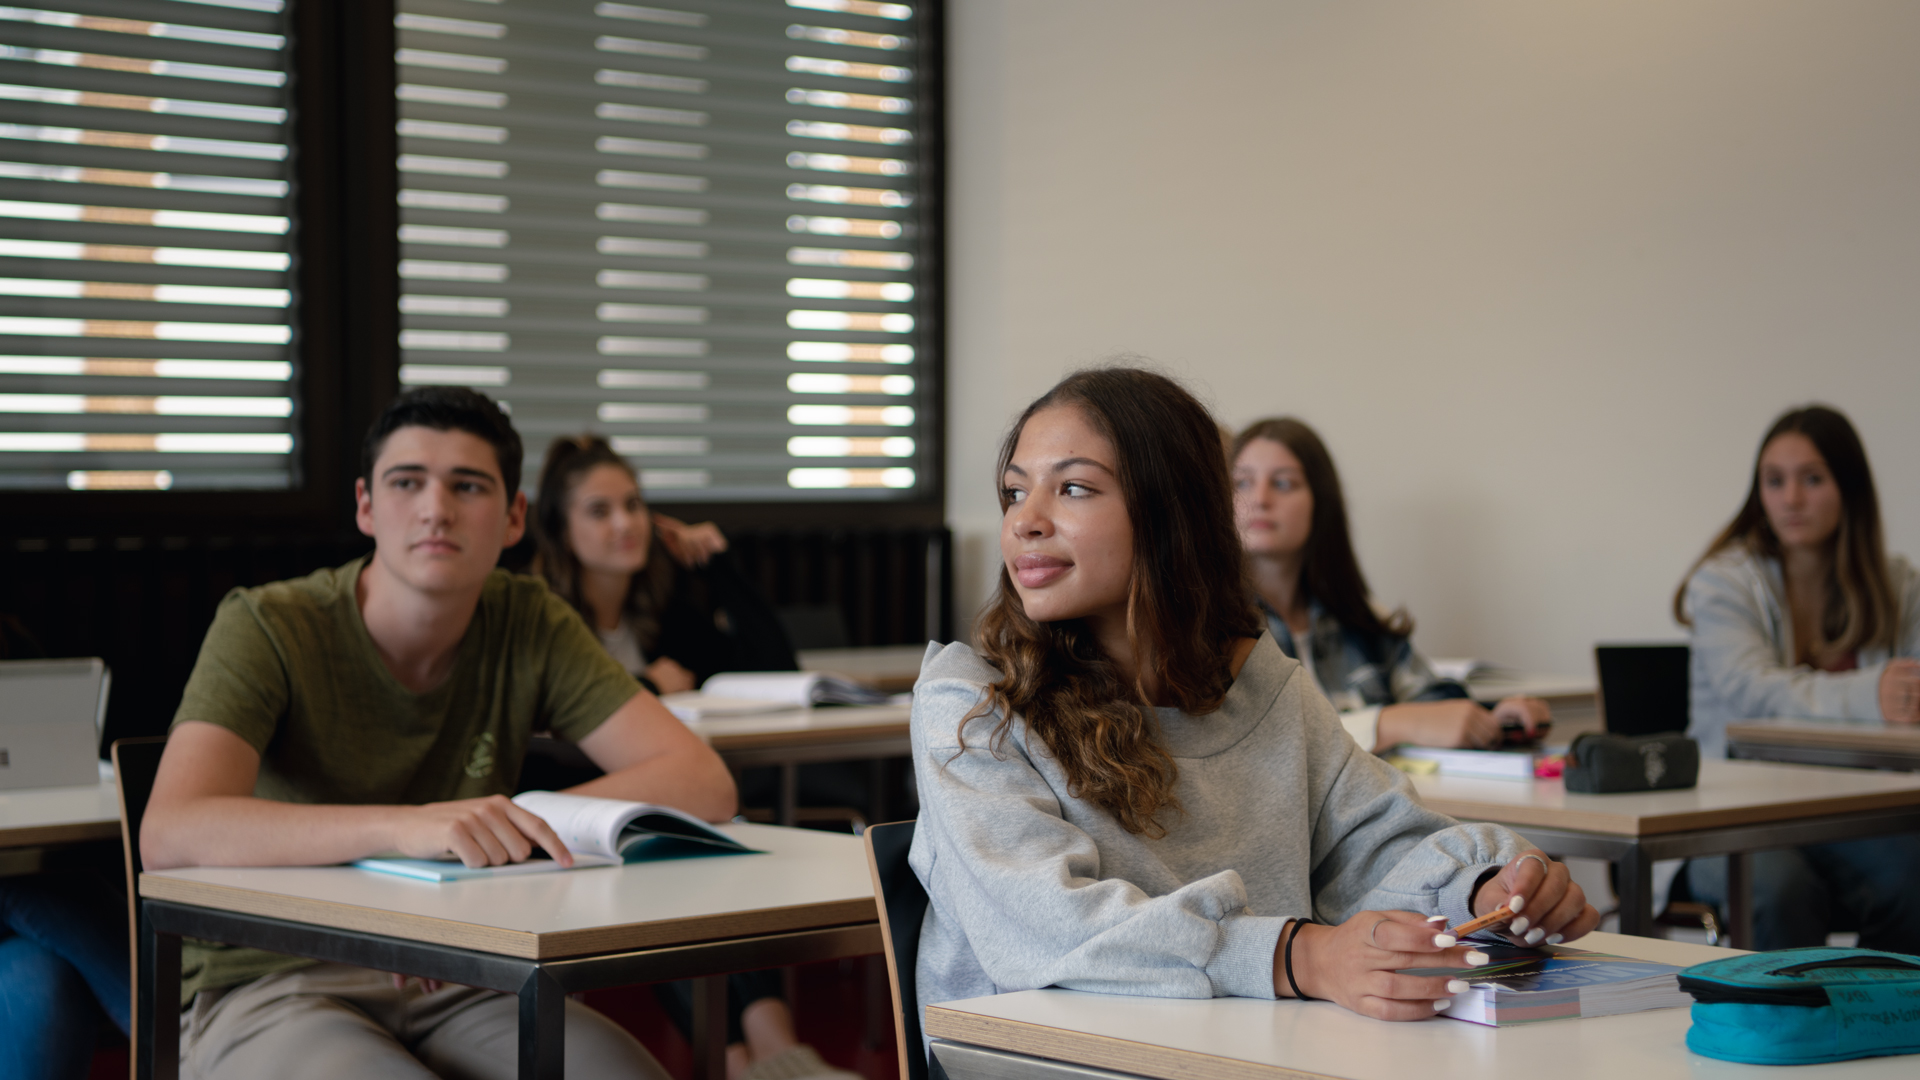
1187 605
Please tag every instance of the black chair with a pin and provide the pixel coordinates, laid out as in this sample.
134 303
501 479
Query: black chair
1644 689
135 763
903 904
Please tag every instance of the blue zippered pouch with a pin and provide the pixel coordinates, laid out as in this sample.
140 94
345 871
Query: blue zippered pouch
1800 1006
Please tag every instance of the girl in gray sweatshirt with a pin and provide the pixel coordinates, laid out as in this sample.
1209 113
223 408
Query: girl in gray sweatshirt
1072 835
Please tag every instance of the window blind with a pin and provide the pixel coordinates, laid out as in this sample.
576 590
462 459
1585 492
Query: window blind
145 246
691 227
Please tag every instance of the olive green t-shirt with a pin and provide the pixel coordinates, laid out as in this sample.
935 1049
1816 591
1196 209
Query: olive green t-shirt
290 668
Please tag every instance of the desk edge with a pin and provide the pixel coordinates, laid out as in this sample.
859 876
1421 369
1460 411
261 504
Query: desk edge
521 944
1102 1051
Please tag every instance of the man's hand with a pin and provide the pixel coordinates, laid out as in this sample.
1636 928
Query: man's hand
490 831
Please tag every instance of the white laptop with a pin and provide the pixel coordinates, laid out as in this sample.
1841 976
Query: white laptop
51 713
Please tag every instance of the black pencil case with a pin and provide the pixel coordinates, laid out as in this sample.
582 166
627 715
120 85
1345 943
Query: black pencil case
1599 763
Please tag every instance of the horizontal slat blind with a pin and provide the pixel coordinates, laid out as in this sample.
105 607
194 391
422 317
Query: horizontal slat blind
690 227
145 246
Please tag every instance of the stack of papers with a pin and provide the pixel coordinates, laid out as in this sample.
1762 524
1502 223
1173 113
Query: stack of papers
1556 983
1486 764
744 693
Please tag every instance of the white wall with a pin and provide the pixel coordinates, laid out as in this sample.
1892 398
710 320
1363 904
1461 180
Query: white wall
1539 273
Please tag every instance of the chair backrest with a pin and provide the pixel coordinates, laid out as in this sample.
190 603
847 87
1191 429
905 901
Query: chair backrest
1643 688
135 763
903 904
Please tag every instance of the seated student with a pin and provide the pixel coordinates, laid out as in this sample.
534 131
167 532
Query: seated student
1797 610
1293 527
603 552
665 597
386 706
63 970
1127 788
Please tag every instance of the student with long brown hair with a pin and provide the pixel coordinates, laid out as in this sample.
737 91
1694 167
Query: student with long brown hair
1292 517
1126 787
1797 610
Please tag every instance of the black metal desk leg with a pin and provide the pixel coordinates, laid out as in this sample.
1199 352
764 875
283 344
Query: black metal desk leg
1740 900
157 1043
789 793
543 1028
1636 893
710 1027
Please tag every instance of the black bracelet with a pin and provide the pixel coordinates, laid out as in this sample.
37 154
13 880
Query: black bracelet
1286 960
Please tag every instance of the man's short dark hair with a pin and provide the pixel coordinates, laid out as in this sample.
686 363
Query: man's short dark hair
448 408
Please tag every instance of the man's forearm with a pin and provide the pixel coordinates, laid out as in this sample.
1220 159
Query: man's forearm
698 784
240 830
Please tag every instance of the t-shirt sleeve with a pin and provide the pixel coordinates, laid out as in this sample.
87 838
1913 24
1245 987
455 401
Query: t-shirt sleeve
582 684
240 681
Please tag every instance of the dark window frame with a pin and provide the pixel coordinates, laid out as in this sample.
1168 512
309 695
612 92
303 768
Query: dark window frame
347 317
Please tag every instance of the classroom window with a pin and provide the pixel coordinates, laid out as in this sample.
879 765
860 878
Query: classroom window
146 247
697 228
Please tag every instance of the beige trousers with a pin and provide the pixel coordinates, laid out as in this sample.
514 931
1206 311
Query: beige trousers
332 1021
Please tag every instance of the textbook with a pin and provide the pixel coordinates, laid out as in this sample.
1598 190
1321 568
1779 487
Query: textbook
1525 986
743 693
599 832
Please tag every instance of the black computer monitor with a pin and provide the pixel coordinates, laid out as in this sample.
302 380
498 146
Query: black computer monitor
1643 687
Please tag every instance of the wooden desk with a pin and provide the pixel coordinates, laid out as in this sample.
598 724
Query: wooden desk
804 736
1861 744
1069 1035
1738 807
541 936
890 667
32 817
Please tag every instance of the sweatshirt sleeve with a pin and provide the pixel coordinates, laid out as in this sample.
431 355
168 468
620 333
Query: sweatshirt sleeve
1023 883
1736 653
1375 846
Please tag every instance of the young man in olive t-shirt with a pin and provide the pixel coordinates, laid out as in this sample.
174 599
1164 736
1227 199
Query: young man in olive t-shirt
385 706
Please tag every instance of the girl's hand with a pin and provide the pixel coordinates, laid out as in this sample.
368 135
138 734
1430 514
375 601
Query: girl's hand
1357 964
1900 692
1456 722
690 545
1552 908
1531 712
669 676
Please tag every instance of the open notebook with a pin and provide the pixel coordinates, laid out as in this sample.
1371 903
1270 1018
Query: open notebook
599 832
743 693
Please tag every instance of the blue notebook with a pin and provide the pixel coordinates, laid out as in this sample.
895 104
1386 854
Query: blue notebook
1526 986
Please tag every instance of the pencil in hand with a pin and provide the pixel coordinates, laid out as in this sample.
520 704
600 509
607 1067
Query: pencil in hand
1497 917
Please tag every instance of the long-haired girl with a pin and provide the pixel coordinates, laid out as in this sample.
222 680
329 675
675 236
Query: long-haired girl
1126 786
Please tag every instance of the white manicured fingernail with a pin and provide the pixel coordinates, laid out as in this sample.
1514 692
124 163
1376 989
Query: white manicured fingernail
1518 926
1517 904
1445 941
1443 1005
1437 918
1458 986
1534 935
1555 939
1476 958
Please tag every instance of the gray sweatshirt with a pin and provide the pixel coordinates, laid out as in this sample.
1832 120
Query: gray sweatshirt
1743 650
1284 816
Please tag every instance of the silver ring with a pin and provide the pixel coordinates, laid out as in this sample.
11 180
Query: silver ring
1370 931
1545 866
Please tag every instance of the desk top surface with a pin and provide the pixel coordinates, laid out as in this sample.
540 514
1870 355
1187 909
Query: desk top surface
1493 685
61 815
1729 793
805 880
1843 734
826 723
1249 1039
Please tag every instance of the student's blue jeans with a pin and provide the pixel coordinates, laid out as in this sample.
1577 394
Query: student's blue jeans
1800 894
63 959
